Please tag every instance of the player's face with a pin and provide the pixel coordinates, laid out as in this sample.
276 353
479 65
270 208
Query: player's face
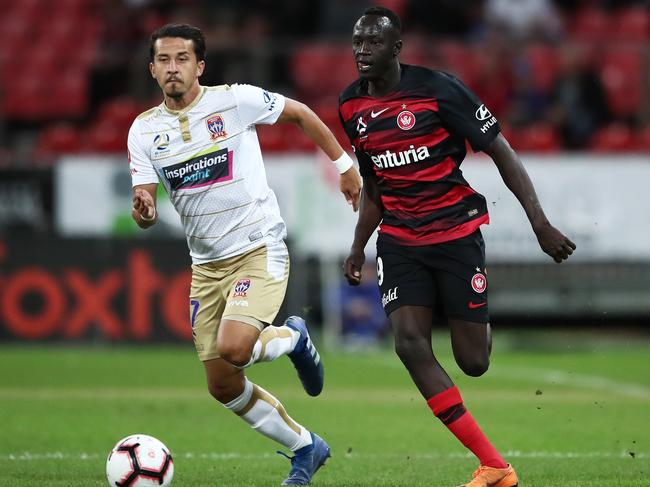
375 45
175 66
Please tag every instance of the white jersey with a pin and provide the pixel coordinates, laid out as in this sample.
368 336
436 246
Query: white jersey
208 158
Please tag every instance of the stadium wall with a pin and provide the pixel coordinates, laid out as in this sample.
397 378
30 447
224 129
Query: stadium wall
74 267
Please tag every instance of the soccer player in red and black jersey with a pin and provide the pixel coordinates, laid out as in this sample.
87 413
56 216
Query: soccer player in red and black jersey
408 126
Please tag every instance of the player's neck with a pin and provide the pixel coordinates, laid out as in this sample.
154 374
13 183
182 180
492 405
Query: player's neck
182 102
384 85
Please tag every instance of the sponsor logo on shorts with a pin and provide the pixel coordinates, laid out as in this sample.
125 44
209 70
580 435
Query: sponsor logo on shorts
202 170
216 127
479 282
241 288
389 296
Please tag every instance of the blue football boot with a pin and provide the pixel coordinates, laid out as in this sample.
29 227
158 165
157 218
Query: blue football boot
305 358
307 461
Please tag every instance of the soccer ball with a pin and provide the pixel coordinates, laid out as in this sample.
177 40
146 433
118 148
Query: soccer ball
139 461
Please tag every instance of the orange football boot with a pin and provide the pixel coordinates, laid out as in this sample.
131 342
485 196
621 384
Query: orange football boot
493 477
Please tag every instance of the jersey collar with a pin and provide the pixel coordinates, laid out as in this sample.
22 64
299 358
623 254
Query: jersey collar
188 107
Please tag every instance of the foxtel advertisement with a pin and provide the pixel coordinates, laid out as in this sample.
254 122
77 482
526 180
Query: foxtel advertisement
76 289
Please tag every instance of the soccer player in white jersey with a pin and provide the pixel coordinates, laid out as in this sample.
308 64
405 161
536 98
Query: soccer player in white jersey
201 144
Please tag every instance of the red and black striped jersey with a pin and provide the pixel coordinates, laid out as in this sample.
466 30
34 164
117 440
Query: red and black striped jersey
413 141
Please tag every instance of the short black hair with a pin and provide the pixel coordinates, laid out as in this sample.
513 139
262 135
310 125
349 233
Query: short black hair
386 12
184 31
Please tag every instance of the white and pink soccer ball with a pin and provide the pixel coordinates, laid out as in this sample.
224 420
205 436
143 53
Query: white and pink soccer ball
139 461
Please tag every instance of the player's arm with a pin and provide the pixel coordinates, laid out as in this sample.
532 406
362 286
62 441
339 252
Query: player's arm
514 175
144 205
369 219
301 115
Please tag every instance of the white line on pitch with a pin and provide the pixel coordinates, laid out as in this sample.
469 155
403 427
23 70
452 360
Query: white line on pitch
28 456
567 378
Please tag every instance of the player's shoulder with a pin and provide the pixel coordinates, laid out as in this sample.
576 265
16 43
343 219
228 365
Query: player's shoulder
434 79
149 114
145 121
211 94
354 90
218 88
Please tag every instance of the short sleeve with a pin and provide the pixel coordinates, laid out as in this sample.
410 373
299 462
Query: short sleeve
257 106
142 171
365 163
464 114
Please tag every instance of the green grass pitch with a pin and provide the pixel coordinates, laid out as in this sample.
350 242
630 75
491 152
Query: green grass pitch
576 414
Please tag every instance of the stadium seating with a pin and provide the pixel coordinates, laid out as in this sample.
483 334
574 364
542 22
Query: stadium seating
632 24
590 24
61 45
323 68
540 137
57 140
620 71
614 138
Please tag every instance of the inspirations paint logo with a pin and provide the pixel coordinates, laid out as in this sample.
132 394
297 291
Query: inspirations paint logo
201 170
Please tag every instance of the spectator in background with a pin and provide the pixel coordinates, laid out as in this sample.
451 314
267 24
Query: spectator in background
529 96
578 101
523 19
364 320
494 80
443 17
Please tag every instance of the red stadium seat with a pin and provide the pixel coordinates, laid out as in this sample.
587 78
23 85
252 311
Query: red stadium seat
271 138
643 139
613 138
105 137
620 71
540 137
55 141
120 112
328 112
459 60
632 24
590 24
68 94
296 140
25 99
322 69
543 62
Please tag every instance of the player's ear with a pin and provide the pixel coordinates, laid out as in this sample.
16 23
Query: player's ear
151 70
397 48
200 66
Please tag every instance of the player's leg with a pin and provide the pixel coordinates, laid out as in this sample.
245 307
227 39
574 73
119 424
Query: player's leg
462 289
253 298
472 344
264 288
257 407
411 327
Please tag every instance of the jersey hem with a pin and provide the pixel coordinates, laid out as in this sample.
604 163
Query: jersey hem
467 230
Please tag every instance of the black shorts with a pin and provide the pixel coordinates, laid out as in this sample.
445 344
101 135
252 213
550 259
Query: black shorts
449 277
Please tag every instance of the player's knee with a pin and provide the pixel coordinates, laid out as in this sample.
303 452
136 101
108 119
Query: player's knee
411 348
221 392
474 366
235 355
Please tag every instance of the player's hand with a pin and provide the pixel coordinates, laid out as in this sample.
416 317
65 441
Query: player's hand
350 185
554 243
143 203
352 267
